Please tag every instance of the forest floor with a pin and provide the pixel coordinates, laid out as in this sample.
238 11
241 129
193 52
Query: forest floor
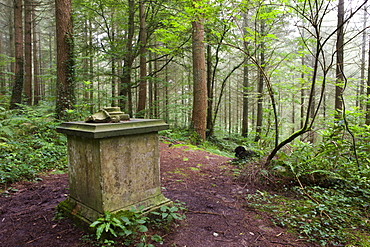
217 212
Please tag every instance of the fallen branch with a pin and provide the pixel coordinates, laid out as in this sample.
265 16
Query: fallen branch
204 212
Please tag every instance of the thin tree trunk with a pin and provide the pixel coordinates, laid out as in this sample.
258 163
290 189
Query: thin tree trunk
143 72
210 86
91 67
367 117
211 82
36 85
125 92
339 66
113 68
155 93
150 87
28 51
245 124
302 93
11 32
260 87
166 96
2 75
16 97
359 102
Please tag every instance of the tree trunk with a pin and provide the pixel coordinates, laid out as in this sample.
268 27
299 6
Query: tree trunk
125 91
360 93
211 82
11 32
302 110
28 51
36 85
2 75
367 120
166 96
65 99
114 61
245 124
156 93
199 76
210 86
91 66
143 73
260 87
339 66
16 97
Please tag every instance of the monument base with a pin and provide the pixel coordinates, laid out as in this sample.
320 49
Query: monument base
83 215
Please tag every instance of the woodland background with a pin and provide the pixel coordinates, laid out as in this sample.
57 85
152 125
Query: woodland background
268 64
289 79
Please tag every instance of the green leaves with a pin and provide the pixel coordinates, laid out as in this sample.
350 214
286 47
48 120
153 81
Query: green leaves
128 225
29 144
166 215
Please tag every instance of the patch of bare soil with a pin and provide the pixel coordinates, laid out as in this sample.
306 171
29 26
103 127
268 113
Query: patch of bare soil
217 216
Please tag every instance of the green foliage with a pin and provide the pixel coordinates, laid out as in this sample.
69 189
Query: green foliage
333 178
165 216
327 216
129 227
29 143
334 158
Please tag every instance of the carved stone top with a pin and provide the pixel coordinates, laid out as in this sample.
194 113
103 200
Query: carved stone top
105 130
108 115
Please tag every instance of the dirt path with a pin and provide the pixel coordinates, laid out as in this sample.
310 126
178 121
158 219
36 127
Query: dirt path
217 215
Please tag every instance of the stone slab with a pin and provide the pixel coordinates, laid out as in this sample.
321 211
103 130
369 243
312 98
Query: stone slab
104 130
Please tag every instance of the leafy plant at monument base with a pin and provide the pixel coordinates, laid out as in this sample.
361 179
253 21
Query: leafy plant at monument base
129 227
165 216
29 143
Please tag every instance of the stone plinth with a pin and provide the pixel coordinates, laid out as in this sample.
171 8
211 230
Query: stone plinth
112 167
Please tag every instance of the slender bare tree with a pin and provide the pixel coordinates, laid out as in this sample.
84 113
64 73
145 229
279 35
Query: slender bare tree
339 65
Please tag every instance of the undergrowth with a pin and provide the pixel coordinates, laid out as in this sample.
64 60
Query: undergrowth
329 185
134 228
29 143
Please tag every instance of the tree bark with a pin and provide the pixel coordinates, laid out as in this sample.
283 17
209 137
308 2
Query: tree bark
125 90
143 70
199 112
28 51
2 75
360 93
245 124
65 99
210 86
260 87
36 67
339 66
367 117
16 97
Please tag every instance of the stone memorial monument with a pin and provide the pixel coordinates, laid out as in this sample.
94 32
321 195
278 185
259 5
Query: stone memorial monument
113 165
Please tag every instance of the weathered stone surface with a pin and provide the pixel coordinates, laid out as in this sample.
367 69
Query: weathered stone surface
104 130
112 170
108 115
